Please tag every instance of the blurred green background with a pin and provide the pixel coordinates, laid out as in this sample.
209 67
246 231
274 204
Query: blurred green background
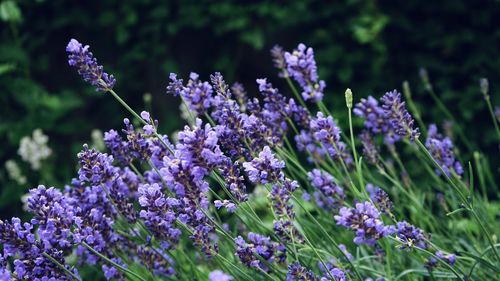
369 46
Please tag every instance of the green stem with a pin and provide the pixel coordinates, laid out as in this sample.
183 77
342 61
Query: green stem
123 269
67 271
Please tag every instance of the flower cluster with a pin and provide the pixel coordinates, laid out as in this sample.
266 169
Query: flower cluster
364 219
411 236
259 246
301 65
400 119
197 94
83 60
328 195
326 132
441 149
265 168
34 150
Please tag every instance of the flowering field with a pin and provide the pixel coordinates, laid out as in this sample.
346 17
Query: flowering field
267 188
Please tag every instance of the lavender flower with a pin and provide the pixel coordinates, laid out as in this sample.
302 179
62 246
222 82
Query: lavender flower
159 214
283 210
370 150
219 275
198 145
441 149
411 236
82 59
230 206
332 271
19 242
265 168
297 272
328 195
197 94
380 198
401 120
118 147
95 167
187 181
139 146
233 179
54 215
365 221
373 114
305 142
278 56
301 65
275 110
239 94
326 132
262 246
449 258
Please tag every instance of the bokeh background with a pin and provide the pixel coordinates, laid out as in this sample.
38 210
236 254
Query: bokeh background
369 46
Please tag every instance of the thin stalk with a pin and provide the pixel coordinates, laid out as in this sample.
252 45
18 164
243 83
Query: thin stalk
492 113
123 269
122 102
67 271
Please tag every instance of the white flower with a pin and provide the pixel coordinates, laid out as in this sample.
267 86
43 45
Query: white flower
15 172
34 150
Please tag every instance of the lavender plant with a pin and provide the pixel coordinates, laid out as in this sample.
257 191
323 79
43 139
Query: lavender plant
230 199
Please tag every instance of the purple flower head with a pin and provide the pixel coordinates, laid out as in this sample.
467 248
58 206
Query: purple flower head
265 168
411 236
275 109
278 56
449 258
299 113
401 120
326 132
82 59
19 242
197 94
239 94
380 198
297 272
230 206
233 179
219 275
301 65
139 145
331 270
343 248
95 167
441 149
370 149
364 220
373 114
118 147
186 179
199 145
54 215
328 195
305 142
262 246
159 214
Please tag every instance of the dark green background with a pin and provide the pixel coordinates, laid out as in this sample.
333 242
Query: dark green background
369 46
